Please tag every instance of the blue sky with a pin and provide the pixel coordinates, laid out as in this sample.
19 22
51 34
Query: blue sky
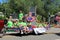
3 1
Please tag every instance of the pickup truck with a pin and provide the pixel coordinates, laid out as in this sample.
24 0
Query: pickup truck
1 22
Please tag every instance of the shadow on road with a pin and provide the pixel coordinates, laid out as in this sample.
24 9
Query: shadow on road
20 35
57 34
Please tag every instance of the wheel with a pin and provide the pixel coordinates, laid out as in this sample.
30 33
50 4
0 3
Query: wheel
1 35
3 31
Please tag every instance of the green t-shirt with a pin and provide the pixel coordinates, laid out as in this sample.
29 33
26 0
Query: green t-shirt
23 23
29 23
15 24
44 25
10 24
18 24
20 16
40 25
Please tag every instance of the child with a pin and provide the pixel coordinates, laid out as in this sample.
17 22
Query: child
21 15
22 26
10 24
30 29
39 29
15 24
25 27
46 25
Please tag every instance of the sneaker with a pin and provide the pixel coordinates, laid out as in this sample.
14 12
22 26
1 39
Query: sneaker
21 32
25 33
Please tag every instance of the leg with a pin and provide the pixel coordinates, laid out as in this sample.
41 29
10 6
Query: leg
35 30
21 28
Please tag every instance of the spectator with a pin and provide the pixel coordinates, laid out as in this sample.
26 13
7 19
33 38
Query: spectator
58 21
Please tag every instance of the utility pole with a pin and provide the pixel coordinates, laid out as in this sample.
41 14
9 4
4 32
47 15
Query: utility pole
49 19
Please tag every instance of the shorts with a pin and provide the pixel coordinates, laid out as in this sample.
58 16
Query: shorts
30 28
21 28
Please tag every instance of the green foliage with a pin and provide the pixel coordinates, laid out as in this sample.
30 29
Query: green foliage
43 6
1 18
39 18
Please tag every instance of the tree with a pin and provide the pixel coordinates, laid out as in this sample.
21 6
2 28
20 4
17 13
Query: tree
52 6
43 6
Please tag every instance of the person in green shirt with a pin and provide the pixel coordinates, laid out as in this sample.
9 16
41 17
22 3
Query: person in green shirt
9 23
44 24
21 15
40 28
40 25
15 24
22 26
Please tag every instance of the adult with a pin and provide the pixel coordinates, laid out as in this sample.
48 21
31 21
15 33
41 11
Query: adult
30 18
55 21
57 18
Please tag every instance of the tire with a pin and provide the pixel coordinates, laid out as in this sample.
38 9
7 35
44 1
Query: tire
3 31
1 35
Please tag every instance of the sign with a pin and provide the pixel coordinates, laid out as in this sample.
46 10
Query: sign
39 30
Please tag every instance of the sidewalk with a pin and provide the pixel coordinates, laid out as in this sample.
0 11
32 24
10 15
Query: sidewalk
53 30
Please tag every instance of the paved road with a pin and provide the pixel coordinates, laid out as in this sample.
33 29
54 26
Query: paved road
49 36
53 30
32 37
